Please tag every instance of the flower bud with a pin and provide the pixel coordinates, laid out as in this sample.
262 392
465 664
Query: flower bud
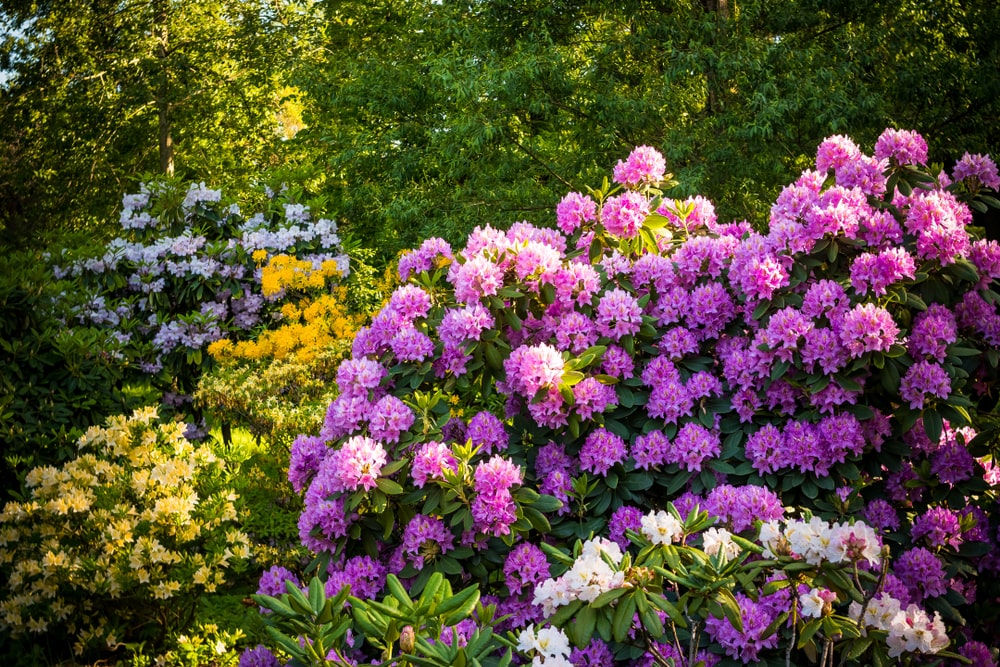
407 639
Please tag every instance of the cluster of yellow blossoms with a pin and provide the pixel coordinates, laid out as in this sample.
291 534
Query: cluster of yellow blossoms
309 323
139 517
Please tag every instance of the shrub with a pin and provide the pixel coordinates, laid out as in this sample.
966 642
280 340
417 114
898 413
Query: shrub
540 387
185 273
55 381
278 384
117 544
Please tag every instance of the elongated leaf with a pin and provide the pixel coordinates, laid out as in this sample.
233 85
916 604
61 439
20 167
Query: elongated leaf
808 631
607 597
317 596
622 620
397 590
458 600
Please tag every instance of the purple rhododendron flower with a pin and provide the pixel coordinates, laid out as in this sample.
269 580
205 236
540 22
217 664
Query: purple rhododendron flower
745 644
623 519
924 379
867 328
901 147
693 445
979 167
433 251
272 581
259 656
307 453
834 152
618 314
485 430
526 565
643 165
594 654
430 462
922 573
390 417
624 214
601 451
573 210
359 462
938 527
424 539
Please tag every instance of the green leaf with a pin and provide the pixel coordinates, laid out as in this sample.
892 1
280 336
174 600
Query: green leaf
388 486
669 609
731 608
622 620
808 631
933 425
317 596
583 626
397 590
609 596
462 610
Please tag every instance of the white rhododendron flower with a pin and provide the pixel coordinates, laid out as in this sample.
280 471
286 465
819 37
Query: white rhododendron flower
717 541
661 527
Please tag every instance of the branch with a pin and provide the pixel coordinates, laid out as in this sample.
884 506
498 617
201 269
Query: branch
537 159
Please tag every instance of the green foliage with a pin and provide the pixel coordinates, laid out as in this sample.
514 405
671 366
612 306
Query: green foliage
269 509
55 381
101 92
435 117
310 627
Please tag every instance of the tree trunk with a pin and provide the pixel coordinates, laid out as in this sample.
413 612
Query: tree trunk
166 140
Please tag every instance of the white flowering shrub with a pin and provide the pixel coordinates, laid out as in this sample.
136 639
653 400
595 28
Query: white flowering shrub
118 543
186 271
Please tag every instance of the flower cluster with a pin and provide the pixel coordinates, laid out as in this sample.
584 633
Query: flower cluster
910 629
132 530
593 572
816 541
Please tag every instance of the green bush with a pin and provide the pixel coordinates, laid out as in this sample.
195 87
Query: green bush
54 381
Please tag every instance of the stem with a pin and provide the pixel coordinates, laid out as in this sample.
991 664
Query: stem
695 640
788 649
677 640
655 652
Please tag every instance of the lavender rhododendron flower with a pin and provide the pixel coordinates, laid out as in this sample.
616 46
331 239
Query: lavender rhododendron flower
644 165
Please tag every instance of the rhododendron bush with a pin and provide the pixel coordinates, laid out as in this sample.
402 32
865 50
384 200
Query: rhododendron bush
681 439
187 271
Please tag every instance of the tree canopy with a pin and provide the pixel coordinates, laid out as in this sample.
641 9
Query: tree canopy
101 92
432 116
436 116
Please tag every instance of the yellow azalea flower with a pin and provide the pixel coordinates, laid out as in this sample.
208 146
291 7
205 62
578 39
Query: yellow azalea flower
220 349
53 561
201 575
37 625
165 589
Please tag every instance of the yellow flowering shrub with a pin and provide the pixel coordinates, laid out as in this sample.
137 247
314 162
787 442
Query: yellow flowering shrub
280 384
275 398
118 543
312 317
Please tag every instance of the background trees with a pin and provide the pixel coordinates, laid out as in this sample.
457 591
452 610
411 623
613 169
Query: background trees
101 92
439 116
431 117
